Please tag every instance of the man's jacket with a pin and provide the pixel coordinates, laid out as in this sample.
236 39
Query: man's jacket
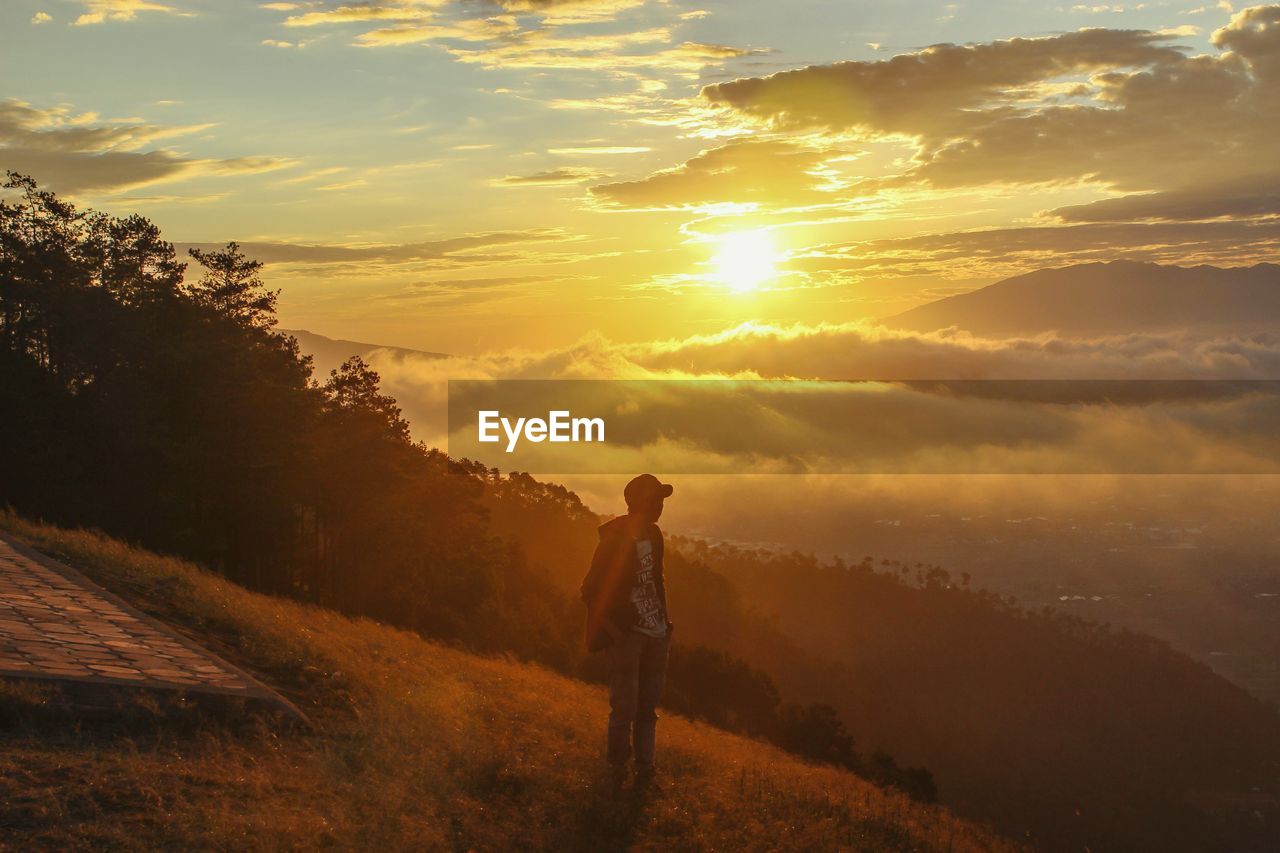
607 587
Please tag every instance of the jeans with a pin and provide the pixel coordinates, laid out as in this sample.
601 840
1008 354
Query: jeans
637 673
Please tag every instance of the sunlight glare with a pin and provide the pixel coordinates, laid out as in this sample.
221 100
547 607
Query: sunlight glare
745 260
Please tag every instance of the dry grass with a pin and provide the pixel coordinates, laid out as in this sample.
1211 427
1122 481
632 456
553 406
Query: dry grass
416 745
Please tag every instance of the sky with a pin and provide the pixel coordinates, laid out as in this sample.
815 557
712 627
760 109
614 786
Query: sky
475 176
672 189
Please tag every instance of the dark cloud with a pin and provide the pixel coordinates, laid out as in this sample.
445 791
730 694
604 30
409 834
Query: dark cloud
1122 107
1251 197
939 91
77 154
77 173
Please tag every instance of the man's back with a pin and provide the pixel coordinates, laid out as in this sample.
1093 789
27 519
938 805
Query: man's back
620 565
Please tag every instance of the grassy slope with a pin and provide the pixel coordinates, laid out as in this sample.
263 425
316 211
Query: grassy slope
415 745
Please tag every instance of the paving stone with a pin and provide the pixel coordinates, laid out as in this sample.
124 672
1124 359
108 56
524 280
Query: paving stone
53 623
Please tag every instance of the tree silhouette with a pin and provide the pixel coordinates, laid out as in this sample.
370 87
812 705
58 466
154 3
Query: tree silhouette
231 287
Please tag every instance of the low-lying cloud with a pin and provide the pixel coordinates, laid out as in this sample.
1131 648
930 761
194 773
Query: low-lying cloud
1156 427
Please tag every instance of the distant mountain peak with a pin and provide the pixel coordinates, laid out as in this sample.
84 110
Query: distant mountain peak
328 353
1110 297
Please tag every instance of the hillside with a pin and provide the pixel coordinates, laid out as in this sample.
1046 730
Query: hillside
1053 728
1117 297
328 353
1113 737
415 745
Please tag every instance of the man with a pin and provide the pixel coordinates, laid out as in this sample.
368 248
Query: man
626 601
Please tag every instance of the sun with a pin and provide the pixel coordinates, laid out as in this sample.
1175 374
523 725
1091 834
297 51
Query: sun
745 260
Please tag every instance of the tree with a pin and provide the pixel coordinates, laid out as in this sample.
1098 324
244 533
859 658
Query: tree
816 732
354 388
231 287
724 690
138 266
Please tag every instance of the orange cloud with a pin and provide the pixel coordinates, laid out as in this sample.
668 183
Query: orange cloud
753 172
523 33
100 11
549 178
1123 108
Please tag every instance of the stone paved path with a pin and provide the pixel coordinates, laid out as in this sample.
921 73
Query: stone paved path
57 624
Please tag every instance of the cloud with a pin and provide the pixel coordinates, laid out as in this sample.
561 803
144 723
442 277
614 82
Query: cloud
100 11
81 153
593 150
61 129
463 247
861 351
1188 140
1247 198
890 426
522 33
997 252
41 18
753 172
360 13
464 30
1254 35
404 11
612 52
454 284
313 175
938 91
907 421
1124 108
550 178
548 6
468 291
566 12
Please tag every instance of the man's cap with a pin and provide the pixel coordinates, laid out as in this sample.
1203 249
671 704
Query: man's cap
644 488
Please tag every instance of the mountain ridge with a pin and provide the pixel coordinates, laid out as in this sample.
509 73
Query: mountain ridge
328 353
1109 297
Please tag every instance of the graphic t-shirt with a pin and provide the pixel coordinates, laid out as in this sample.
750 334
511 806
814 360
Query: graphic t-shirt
650 618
